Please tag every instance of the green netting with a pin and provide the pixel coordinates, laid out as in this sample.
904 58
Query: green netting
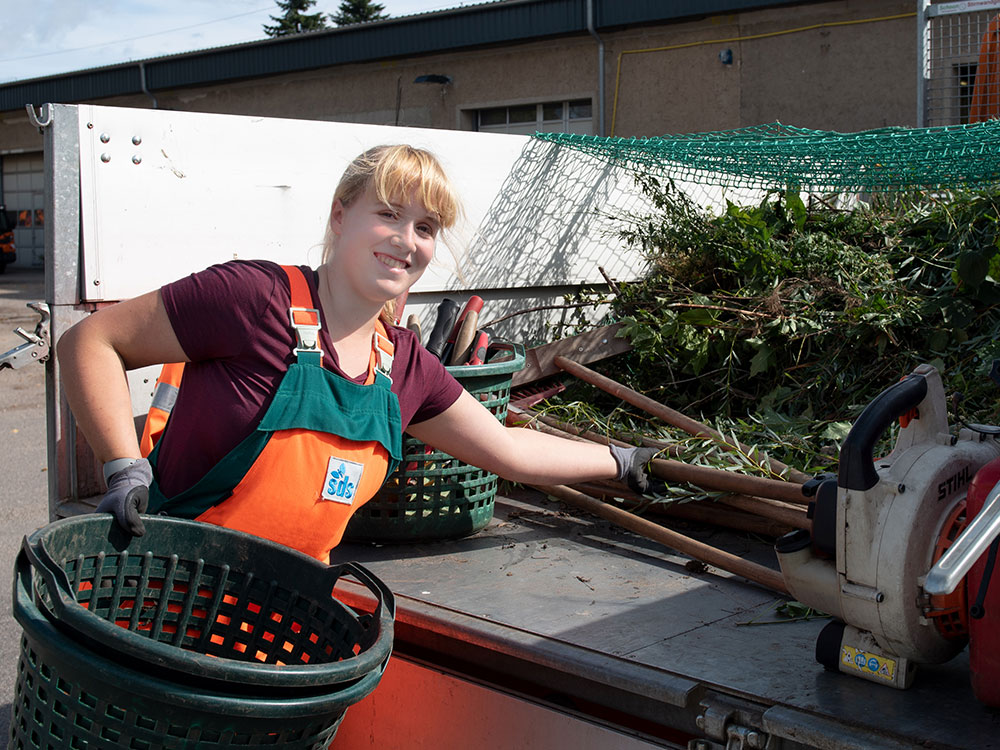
778 156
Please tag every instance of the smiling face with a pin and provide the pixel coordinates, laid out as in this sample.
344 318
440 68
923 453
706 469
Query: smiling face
381 249
410 183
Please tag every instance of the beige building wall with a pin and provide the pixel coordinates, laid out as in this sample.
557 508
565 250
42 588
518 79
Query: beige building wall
842 65
17 135
384 93
857 75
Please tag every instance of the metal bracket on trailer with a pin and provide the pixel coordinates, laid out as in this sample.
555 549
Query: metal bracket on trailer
41 119
37 344
730 724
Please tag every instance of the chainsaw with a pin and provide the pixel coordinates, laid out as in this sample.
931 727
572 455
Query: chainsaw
902 547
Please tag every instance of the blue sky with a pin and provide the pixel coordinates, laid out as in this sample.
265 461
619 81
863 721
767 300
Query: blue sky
46 37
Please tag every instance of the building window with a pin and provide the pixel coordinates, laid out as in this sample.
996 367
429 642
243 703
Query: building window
572 116
965 76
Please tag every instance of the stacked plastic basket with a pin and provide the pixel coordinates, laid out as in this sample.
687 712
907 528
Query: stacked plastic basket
433 495
191 636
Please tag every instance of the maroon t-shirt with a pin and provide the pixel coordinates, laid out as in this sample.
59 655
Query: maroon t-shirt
232 322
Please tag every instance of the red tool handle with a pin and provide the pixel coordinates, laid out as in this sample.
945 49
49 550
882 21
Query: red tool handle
475 304
479 346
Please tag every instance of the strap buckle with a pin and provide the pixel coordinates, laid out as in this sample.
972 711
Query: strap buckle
305 321
384 351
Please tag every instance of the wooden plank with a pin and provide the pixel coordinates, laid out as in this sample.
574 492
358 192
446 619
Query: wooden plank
590 346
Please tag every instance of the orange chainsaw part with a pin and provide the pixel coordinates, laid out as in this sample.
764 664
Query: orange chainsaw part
908 416
949 612
984 631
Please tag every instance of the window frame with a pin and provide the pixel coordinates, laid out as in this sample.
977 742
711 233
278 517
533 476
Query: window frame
540 124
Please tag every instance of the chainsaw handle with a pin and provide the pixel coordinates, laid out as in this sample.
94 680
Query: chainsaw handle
857 461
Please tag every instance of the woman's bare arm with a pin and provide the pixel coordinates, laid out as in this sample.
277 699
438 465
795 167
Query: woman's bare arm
468 431
94 355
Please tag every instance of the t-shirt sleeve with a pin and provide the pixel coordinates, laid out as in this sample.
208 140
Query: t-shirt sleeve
214 312
428 388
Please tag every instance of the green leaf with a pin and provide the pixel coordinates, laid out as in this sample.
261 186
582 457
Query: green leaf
700 358
698 316
938 340
762 360
972 269
836 431
794 204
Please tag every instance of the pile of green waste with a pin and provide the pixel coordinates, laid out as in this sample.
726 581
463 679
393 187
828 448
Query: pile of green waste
779 322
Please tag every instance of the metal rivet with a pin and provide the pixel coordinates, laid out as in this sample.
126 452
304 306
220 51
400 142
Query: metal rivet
90 126
97 282
901 488
105 157
136 159
136 140
105 137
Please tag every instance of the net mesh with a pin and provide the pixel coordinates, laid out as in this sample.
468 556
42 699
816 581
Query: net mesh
776 156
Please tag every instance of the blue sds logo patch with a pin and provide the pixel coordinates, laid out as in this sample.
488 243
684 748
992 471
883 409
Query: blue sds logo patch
342 480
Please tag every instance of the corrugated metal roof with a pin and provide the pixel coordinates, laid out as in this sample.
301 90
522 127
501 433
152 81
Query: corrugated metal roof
632 12
502 22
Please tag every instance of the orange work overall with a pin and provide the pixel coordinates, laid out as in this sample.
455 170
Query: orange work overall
322 449
164 396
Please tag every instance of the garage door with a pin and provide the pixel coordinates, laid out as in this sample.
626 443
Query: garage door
23 195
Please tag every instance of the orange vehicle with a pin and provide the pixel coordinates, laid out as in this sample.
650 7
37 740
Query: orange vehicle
8 254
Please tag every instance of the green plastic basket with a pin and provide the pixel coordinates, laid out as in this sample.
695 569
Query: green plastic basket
432 495
191 636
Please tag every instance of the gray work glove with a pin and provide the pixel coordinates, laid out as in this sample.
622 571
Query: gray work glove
633 466
128 496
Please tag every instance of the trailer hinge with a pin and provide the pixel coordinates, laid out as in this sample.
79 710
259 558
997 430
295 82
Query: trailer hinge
730 724
37 344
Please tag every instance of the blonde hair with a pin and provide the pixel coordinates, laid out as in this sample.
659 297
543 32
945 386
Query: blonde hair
393 172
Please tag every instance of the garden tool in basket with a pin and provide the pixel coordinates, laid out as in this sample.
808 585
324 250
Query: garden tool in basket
893 539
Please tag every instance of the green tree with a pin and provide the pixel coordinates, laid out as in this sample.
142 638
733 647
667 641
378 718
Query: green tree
358 11
294 19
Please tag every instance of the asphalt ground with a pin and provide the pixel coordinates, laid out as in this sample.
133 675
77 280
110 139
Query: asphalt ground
23 478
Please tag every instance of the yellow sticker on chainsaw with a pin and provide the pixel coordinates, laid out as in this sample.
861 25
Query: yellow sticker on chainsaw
874 665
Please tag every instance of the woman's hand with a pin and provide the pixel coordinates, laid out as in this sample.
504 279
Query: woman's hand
633 466
128 496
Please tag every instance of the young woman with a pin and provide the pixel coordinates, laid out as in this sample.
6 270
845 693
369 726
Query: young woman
297 386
